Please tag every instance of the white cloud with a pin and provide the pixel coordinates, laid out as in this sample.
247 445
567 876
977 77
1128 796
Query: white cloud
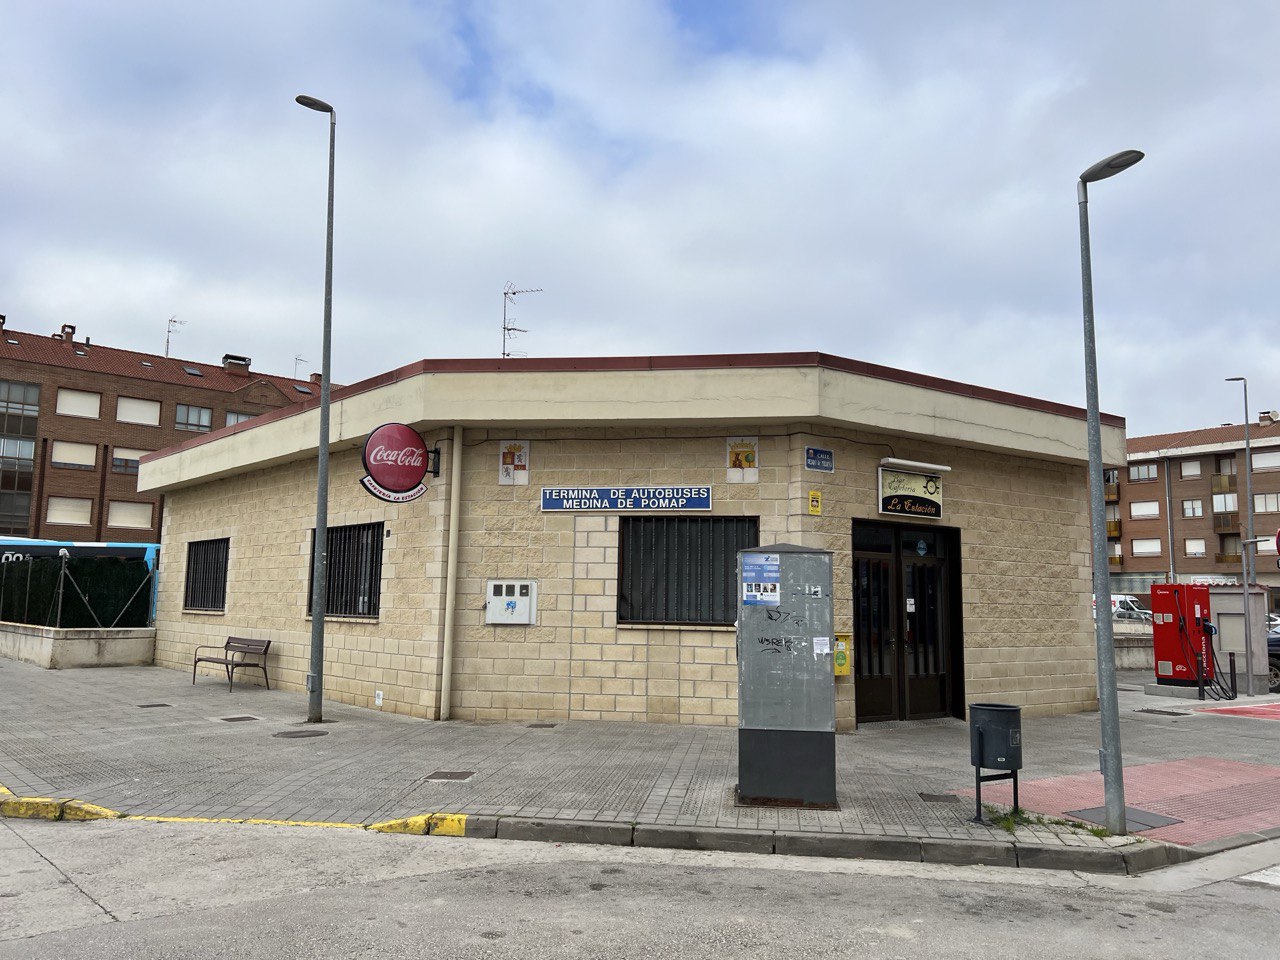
849 178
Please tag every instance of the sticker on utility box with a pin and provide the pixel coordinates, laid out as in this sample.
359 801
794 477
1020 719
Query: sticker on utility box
761 578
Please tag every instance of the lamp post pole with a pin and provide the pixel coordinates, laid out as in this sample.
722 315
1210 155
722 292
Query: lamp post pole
1108 699
1249 541
320 541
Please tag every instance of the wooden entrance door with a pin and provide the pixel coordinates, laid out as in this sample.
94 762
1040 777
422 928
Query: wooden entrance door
902 630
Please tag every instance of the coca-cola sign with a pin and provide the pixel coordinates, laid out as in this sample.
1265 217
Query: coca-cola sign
395 461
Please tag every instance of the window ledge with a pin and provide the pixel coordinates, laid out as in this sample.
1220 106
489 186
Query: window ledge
334 618
205 613
718 628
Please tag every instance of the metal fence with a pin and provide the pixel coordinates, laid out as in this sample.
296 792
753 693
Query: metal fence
77 592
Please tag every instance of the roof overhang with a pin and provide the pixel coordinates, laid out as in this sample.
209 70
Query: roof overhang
734 392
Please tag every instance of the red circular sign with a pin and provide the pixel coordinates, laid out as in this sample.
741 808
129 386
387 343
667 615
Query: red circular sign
395 456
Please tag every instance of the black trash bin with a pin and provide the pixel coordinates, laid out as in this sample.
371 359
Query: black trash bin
995 736
995 743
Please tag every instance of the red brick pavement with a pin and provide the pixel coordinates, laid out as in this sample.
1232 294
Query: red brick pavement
1214 798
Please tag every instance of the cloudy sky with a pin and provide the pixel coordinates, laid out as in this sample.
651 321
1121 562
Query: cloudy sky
889 182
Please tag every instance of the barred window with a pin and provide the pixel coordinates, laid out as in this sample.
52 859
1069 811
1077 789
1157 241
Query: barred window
681 569
353 584
206 575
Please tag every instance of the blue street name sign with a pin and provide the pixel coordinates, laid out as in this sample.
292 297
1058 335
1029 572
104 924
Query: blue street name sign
816 458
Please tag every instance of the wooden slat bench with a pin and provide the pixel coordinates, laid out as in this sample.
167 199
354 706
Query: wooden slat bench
234 656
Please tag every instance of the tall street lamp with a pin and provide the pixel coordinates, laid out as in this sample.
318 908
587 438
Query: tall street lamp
1108 699
1248 540
320 542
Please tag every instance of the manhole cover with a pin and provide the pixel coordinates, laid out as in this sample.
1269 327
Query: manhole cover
540 726
1162 713
1134 818
236 719
148 706
300 734
939 798
455 775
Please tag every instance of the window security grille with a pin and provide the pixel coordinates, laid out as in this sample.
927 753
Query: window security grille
681 569
206 575
354 577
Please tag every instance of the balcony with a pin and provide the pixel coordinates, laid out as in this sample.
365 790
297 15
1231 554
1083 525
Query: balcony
1231 558
1113 529
1226 522
1116 561
1223 483
1111 492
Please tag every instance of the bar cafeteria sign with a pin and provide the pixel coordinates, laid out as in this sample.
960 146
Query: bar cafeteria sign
910 494
395 461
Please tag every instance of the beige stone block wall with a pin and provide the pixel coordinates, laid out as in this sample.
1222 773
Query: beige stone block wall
1024 554
1024 551
268 515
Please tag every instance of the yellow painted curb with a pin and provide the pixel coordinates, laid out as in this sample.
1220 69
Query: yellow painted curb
5 791
417 826
449 825
310 823
83 810
426 824
32 808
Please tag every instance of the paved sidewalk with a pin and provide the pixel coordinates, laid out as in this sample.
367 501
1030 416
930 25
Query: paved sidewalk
145 742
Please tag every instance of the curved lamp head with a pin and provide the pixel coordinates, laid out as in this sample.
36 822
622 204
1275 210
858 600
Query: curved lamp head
1106 168
311 103
1237 379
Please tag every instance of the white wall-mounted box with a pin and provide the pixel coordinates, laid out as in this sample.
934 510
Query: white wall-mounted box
511 601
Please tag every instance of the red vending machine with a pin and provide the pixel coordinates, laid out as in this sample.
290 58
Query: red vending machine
1183 633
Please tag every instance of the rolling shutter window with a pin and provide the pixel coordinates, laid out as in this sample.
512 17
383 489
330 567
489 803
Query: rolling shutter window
134 516
1267 460
1143 509
78 403
131 410
74 454
70 510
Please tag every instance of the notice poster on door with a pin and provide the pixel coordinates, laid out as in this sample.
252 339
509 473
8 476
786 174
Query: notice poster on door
513 466
761 579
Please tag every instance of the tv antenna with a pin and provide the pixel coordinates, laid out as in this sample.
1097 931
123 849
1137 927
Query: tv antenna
297 359
173 322
509 293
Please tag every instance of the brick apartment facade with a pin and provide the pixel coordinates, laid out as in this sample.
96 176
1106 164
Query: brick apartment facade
75 417
1188 489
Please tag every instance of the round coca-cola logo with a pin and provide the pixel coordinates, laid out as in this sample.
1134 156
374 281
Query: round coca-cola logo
395 457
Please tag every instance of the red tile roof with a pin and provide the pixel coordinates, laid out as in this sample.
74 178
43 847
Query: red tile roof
55 352
1231 435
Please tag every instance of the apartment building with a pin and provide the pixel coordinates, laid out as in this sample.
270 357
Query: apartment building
1176 513
75 417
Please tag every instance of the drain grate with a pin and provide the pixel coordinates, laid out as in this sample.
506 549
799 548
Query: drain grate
237 719
540 726
300 734
939 798
148 706
1162 713
451 775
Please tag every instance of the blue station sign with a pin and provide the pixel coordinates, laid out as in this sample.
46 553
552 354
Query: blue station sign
626 498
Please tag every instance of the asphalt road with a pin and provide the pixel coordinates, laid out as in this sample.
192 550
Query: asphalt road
144 890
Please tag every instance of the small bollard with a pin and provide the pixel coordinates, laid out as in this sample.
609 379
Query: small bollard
1231 657
1200 673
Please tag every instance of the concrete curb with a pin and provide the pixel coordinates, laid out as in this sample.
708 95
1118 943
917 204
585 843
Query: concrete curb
1132 859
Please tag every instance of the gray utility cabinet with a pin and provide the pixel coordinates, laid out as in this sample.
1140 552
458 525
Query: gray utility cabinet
786 685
